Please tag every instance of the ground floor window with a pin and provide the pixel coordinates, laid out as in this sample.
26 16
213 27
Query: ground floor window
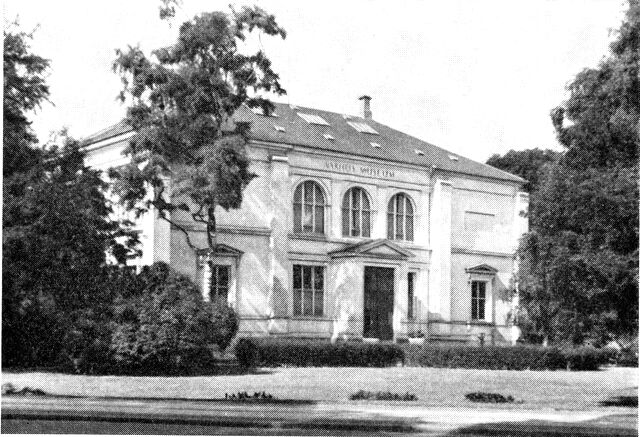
219 286
411 308
478 299
308 290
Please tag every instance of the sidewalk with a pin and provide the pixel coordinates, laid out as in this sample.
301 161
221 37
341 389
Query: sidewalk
364 417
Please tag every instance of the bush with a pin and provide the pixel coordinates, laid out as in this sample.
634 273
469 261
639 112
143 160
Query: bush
490 398
168 327
382 396
506 357
487 357
273 352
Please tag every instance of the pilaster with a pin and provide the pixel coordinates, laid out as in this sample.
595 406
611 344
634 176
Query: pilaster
440 238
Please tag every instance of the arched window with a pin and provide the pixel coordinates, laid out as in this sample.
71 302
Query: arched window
308 208
356 213
400 218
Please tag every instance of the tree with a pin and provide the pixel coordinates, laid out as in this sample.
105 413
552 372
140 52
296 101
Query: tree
25 89
56 226
528 164
188 156
578 275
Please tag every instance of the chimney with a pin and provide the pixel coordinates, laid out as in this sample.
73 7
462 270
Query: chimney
366 107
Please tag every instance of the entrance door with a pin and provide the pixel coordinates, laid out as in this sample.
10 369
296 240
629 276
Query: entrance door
378 303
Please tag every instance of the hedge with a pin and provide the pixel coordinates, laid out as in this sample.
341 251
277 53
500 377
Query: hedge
506 357
273 352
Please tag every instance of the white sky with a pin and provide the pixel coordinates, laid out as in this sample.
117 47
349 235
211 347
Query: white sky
474 77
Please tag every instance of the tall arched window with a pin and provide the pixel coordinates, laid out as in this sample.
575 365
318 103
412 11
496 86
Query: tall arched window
400 218
308 208
356 213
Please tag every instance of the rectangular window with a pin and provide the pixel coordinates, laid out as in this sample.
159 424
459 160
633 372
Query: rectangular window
219 289
478 299
411 308
308 290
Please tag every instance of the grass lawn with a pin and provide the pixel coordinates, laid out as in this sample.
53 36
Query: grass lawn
434 387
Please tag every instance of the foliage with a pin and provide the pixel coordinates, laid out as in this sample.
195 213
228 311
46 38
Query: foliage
506 357
57 235
166 327
528 164
181 99
25 89
578 275
491 398
382 396
272 352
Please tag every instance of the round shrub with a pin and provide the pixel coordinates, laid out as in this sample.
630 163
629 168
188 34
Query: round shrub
168 327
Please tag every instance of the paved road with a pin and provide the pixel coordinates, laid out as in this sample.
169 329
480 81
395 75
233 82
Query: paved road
143 416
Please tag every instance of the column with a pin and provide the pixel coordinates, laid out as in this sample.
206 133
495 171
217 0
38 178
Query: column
440 238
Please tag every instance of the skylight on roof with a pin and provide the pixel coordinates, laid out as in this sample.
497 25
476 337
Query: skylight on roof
313 119
258 111
278 128
362 127
329 137
347 116
419 152
375 145
453 157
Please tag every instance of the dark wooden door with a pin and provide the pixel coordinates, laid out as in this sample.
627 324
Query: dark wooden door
378 303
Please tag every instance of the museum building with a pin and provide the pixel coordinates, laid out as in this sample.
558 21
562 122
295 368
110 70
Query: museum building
352 230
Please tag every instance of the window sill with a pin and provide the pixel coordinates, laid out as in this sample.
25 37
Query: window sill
481 323
309 236
310 318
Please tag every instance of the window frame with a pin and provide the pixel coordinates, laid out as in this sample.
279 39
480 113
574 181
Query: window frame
405 217
215 268
478 302
318 295
318 224
412 302
349 213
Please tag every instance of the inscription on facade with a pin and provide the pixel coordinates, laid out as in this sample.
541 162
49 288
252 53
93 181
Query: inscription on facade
363 170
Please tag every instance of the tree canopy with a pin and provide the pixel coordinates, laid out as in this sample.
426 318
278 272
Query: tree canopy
578 275
187 154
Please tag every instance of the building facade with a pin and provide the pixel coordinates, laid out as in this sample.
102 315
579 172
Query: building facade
351 230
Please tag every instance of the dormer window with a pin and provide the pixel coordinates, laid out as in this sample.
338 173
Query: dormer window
362 127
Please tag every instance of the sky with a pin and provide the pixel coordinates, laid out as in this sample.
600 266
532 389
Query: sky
473 77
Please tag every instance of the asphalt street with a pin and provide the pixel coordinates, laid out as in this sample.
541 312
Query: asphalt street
49 414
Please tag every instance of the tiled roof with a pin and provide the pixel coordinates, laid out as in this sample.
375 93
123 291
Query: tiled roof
394 145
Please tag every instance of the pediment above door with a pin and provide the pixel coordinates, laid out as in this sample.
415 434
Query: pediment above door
381 248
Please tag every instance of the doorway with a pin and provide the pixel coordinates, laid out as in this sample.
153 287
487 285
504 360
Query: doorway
378 303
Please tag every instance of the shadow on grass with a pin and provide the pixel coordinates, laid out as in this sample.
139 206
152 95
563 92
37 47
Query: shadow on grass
621 401
544 428
223 370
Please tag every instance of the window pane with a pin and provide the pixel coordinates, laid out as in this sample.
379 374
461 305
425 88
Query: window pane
308 302
400 203
365 201
345 222
307 224
410 309
409 207
355 223
318 280
409 222
297 218
297 277
481 309
318 309
319 220
366 224
297 195
355 195
306 277
390 234
297 302
223 275
308 192
319 195
399 233
482 290
214 277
